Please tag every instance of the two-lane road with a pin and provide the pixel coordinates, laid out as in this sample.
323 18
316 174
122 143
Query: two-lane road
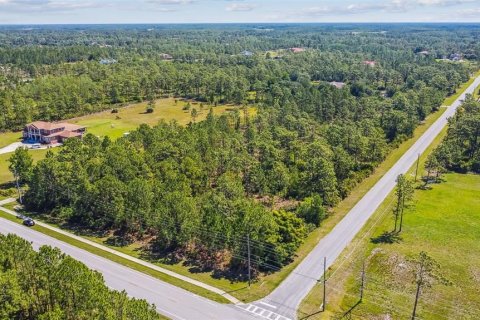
170 301
286 298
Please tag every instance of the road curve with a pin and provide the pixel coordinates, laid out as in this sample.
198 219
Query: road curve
171 301
286 298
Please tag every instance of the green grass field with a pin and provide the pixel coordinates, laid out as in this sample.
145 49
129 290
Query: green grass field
5 174
7 138
130 117
444 222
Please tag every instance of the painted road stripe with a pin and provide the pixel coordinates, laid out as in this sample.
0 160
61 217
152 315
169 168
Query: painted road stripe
267 304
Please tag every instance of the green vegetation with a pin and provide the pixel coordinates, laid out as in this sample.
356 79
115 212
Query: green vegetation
115 125
459 91
156 274
442 221
7 138
50 285
6 175
460 151
190 196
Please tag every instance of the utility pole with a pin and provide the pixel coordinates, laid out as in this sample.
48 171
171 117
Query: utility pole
18 187
324 283
417 295
416 170
249 267
363 282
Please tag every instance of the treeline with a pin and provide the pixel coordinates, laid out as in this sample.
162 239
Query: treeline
51 285
460 150
55 74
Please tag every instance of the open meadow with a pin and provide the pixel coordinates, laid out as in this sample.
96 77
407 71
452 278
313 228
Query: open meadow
443 221
128 118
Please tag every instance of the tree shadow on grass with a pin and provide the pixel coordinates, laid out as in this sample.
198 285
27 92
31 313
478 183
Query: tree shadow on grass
388 237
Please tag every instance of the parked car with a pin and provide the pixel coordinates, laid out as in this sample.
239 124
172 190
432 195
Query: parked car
36 146
29 222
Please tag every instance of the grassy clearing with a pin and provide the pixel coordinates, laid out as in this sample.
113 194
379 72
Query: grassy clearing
5 174
130 117
179 283
476 94
443 222
7 138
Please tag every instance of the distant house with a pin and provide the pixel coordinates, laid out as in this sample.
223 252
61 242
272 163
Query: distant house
50 132
108 61
166 56
297 50
424 53
247 53
455 57
370 63
338 85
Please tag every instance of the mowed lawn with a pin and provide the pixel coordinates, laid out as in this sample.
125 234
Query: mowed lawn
116 125
444 222
5 174
130 117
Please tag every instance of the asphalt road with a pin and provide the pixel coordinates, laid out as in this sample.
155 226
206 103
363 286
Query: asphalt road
286 298
170 301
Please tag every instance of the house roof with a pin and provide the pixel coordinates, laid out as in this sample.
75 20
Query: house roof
64 134
338 85
44 125
297 50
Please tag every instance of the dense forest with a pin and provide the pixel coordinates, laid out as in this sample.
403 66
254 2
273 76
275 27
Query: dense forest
50 285
460 150
200 191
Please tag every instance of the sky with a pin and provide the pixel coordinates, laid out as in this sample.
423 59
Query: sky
229 11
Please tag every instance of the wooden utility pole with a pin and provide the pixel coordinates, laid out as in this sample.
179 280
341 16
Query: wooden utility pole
416 170
249 266
417 295
324 283
362 286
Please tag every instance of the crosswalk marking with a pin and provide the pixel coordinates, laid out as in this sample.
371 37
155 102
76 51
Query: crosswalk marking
262 312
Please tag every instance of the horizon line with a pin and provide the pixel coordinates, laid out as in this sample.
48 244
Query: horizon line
226 23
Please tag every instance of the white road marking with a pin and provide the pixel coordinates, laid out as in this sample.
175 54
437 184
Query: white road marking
267 304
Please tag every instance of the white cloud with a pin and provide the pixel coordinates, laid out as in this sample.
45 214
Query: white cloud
170 2
240 7
381 6
46 5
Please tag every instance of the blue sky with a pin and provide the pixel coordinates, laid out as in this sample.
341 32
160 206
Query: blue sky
190 11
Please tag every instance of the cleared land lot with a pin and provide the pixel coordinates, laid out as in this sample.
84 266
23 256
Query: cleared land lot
130 117
444 222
